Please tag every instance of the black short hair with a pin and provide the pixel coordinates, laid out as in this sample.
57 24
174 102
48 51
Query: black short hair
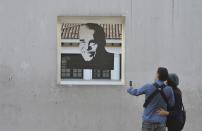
162 73
99 34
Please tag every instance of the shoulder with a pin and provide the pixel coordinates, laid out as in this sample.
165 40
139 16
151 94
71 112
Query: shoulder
168 88
148 85
145 86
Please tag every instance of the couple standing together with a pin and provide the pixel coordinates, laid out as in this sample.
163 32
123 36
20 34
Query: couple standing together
163 102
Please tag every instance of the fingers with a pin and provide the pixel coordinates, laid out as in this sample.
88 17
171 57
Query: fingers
158 111
161 109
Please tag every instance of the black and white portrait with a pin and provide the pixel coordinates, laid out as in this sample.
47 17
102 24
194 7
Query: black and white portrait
92 46
90 50
93 54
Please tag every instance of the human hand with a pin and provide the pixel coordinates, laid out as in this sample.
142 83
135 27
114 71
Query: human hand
130 83
162 112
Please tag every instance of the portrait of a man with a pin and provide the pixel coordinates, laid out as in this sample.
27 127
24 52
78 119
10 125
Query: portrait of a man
92 46
91 49
93 54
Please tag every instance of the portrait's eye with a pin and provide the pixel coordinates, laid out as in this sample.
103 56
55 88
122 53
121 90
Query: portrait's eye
91 43
92 46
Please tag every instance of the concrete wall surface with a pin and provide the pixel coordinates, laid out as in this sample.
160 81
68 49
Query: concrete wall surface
158 33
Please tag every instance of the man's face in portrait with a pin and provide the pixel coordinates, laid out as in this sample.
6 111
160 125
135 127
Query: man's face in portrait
87 44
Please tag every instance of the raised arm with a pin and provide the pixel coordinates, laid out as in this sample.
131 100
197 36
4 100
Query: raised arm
139 91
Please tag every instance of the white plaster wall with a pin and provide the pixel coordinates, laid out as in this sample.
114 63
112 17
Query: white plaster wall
159 33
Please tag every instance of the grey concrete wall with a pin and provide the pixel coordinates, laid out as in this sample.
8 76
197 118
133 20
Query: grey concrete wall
159 33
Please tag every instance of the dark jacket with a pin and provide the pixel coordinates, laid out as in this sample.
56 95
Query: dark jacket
174 112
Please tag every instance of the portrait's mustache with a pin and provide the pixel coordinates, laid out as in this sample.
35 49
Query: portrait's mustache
92 53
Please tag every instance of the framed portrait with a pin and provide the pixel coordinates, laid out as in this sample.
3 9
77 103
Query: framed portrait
91 50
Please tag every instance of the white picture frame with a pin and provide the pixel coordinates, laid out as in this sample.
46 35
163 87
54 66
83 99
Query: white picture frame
61 20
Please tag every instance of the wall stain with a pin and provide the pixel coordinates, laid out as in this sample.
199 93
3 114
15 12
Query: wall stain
6 75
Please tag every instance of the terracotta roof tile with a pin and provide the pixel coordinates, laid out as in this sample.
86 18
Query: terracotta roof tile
71 31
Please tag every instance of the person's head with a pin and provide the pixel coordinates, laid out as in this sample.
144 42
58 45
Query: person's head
92 40
162 74
173 80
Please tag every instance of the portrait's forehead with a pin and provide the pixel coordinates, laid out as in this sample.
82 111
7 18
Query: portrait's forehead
85 32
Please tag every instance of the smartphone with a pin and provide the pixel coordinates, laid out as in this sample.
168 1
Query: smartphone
131 83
